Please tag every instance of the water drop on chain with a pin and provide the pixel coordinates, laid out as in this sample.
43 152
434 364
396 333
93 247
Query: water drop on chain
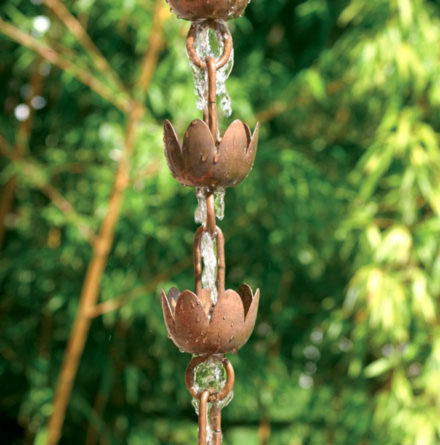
210 374
209 42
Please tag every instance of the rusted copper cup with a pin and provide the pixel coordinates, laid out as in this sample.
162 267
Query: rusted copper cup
196 326
231 323
200 161
208 9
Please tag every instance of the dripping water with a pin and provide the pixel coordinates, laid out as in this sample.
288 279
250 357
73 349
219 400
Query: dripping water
210 374
208 42
208 243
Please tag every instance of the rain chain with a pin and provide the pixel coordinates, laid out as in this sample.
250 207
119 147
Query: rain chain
211 321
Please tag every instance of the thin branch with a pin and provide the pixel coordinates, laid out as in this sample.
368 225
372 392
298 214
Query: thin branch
151 170
6 201
149 62
274 109
264 431
69 212
6 149
31 166
99 405
80 33
21 147
281 106
116 303
102 246
11 31
26 126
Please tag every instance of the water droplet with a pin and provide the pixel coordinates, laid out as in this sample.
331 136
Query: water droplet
232 338
198 320
224 317
210 375
232 324
219 201
200 214
204 157
209 276
208 242
209 42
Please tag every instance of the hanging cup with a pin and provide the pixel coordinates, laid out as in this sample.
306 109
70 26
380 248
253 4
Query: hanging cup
197 325
208 9
201 161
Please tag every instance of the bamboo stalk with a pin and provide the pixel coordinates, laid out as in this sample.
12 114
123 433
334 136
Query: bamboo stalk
99 405
88 297
7 197
75 27
21 147
264 431
6 201
11 31
102 246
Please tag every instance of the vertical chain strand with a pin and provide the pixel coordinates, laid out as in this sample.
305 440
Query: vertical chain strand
212 321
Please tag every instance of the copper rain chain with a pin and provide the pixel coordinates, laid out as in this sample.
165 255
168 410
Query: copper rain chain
211 321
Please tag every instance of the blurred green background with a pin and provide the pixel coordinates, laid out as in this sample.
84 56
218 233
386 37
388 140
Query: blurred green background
338 223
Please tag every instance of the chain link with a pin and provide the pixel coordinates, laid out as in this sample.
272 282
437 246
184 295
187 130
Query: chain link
211 396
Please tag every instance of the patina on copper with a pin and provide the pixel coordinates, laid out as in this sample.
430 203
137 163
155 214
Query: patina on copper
208 9
196 325
201 161
204 159
195 322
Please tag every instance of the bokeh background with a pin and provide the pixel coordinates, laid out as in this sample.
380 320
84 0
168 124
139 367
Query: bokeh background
338 223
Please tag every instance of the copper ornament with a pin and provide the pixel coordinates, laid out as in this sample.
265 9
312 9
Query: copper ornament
200 161
208 9
196 325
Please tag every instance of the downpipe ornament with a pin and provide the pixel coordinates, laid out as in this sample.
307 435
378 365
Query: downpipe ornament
210 321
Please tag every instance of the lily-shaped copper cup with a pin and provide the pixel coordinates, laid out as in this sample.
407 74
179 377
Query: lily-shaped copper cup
207 9
197 325
201 161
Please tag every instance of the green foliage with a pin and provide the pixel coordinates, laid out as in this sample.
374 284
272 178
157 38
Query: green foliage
338 224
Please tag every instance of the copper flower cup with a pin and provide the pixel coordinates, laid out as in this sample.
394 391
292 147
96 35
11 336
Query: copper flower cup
208 9
196 325
200 161
194 330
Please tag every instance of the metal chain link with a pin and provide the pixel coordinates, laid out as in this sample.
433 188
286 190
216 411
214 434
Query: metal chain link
208 395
